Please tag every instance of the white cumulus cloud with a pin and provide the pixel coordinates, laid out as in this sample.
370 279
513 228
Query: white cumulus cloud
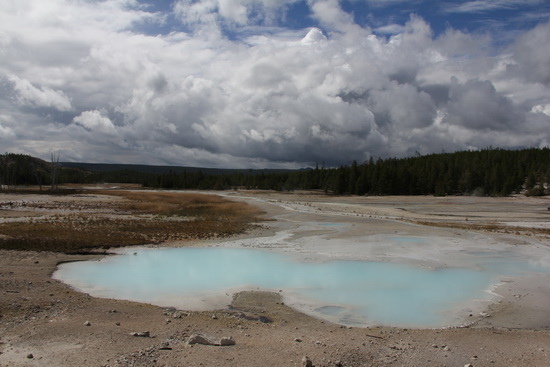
94 121
227 86
28 94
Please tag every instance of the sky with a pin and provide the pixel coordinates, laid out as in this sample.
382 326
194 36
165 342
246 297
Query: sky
271 83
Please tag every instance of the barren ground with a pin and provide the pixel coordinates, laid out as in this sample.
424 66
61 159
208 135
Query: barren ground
43 322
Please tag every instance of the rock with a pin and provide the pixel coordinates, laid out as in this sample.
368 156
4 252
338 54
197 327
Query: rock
179 314
306 362
143 334
225 341
87 323
264 320
469 365
199 339
214 317
297 340
204 340
30 356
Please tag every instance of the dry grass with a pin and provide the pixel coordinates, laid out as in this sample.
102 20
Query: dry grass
488 227
141 218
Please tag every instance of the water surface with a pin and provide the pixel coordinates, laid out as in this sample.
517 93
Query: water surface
348 292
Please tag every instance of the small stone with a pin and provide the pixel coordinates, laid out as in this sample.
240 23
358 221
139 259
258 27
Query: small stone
87 323
225 341
306 362
179 314
143 334
30 356
264 320
214 317
446 348
297 340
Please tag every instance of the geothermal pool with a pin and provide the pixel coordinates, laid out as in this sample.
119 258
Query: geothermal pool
361 293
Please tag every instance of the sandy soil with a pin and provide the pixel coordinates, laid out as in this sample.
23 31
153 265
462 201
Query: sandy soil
43 322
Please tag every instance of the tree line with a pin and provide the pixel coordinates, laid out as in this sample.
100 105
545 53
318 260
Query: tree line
488 172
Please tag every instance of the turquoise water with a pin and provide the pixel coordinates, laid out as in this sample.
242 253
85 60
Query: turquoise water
355 292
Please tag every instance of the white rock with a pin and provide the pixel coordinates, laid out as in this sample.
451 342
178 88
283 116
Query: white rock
143 334
204 340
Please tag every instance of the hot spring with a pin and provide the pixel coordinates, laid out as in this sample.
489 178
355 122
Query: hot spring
349 292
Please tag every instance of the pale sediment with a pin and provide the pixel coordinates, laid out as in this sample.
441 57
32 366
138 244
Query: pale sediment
45 318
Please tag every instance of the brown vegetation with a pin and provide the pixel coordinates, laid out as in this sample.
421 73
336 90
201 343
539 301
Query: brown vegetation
142 217
487 227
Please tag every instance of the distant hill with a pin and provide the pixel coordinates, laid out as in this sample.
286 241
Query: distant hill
151 169
22 169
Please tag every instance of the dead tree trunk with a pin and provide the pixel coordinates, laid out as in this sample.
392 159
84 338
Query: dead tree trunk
54 170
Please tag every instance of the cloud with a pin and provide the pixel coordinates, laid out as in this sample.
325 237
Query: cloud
28 95
541 109
390 29
229 86
403 107
314 35
6 132
479 6
385 3
214 14
476 105
94 121
532 59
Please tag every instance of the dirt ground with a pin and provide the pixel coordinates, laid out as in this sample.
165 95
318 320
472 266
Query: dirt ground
43 322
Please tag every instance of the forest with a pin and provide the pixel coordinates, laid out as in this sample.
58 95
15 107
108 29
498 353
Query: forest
488 172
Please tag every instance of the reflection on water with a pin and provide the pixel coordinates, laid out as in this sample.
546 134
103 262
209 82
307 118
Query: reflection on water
350 292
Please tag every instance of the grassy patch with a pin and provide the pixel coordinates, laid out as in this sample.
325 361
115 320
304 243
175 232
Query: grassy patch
140 218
